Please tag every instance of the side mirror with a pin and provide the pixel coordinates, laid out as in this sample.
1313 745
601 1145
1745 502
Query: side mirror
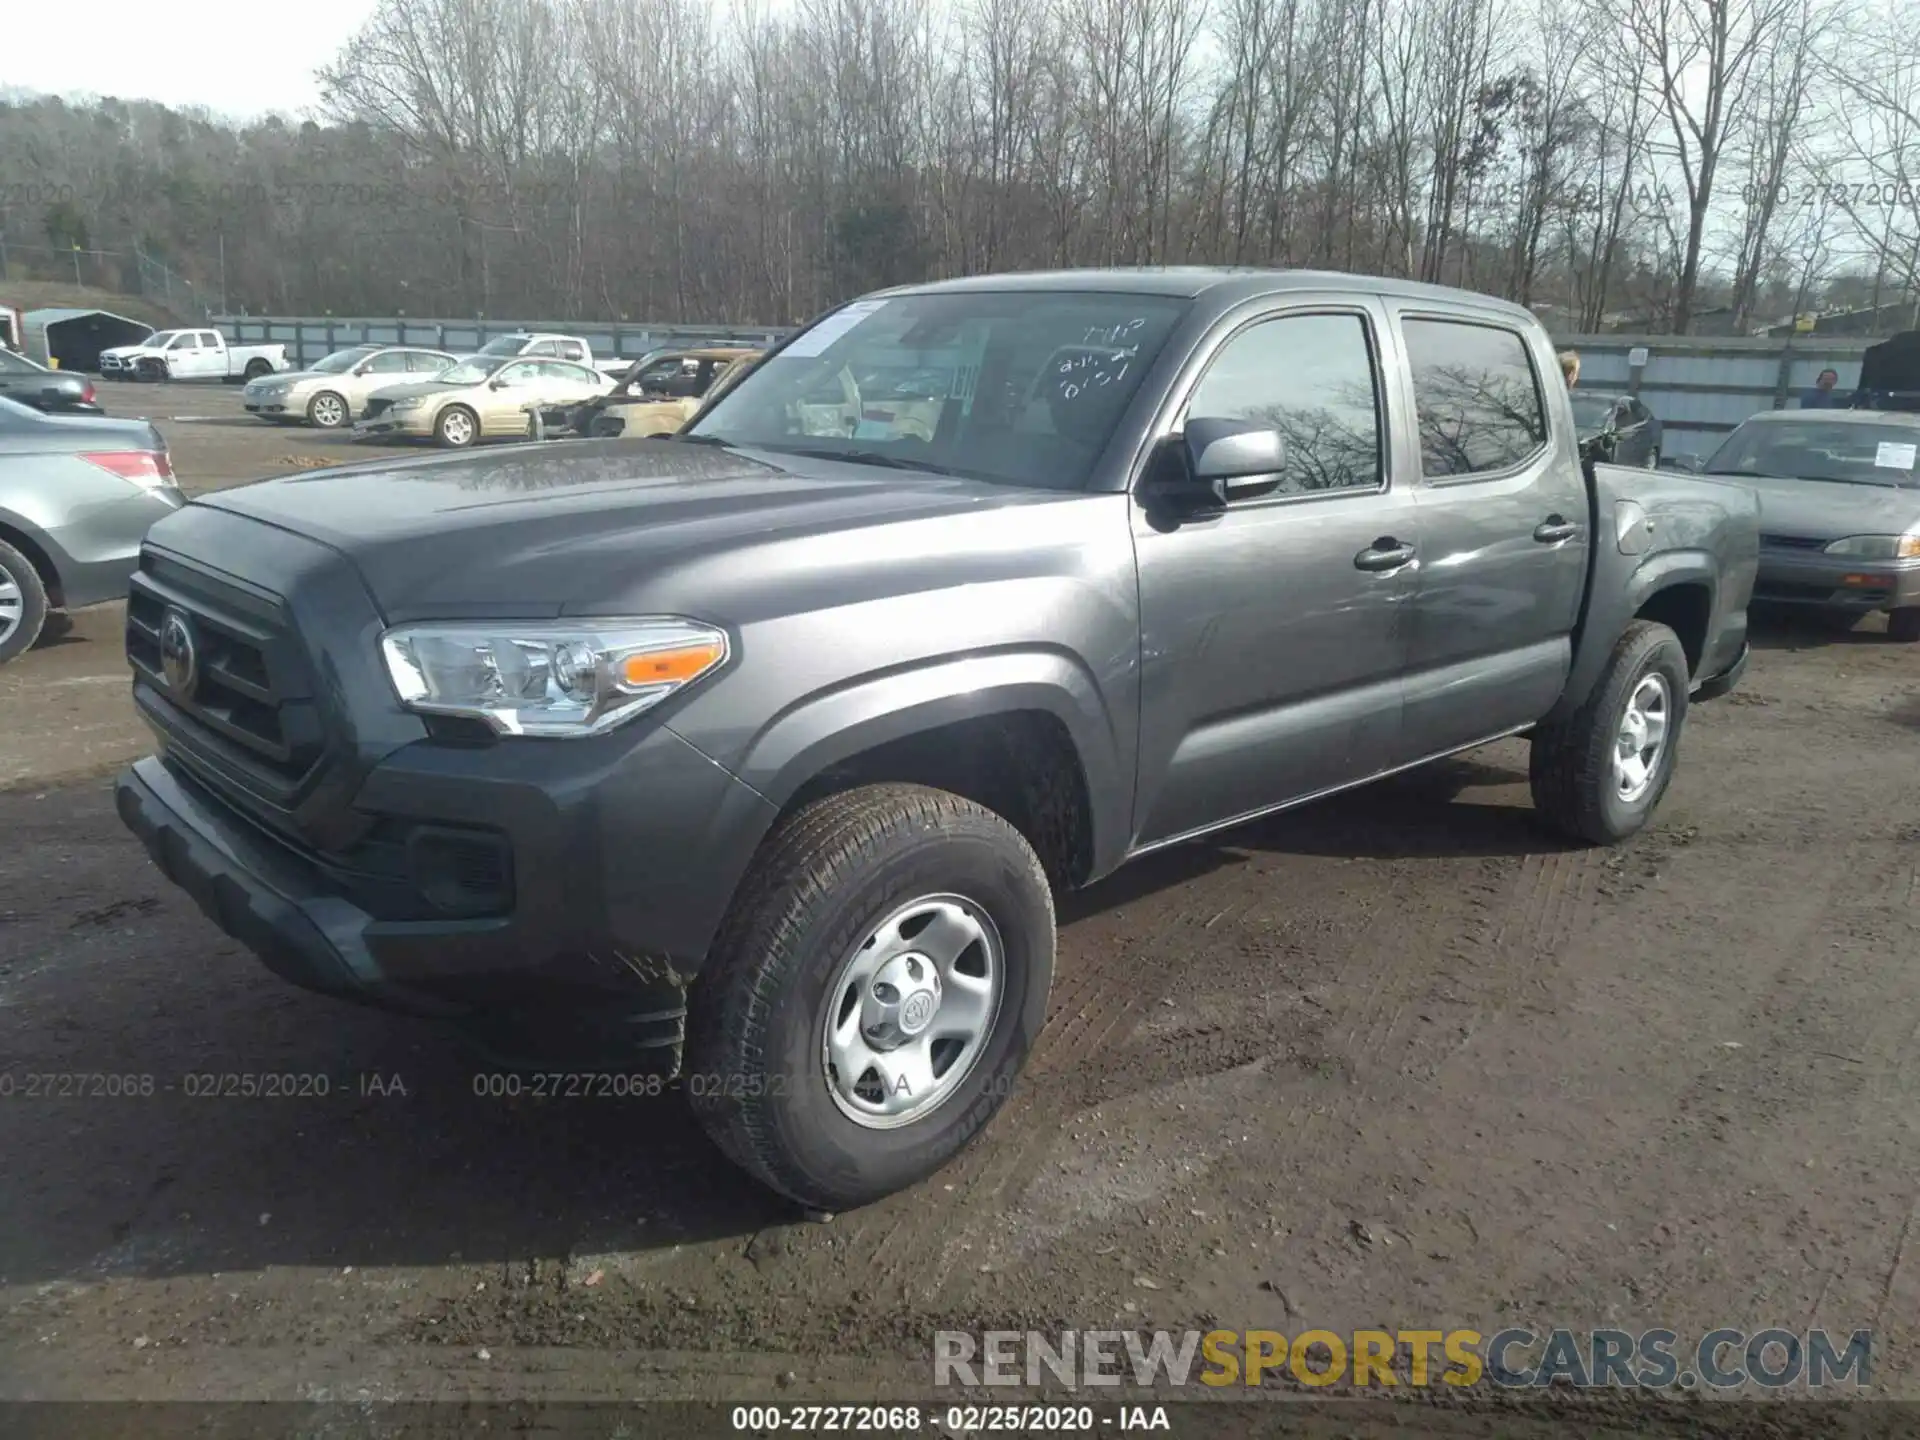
496 384
1234 459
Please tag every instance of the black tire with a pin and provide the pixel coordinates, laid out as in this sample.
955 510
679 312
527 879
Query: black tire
255 369
440 428
1571 767
17 572
829 873
315 410
1904 625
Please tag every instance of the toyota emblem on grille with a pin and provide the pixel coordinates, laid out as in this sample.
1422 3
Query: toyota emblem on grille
179 660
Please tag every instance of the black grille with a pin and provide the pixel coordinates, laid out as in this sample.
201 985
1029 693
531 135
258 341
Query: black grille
250 718
375 409
1792 542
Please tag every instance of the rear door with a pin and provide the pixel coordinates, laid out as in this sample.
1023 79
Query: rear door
1271 642
1503 529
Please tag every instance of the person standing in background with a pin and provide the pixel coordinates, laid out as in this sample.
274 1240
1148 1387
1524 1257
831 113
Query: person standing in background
1823 395
1570 367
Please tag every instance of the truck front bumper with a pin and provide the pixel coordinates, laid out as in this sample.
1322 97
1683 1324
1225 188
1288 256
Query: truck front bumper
617 880
1835 582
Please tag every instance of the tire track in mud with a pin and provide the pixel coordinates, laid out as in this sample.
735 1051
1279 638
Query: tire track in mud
1776 1074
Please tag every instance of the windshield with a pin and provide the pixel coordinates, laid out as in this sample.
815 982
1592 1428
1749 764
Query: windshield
159 339
1021 387
504 345
1853 453
341 361
1590 412
472 372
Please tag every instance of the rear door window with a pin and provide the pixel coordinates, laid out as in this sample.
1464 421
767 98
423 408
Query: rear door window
1476 396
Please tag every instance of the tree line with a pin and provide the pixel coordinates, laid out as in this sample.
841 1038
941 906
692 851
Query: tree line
1639 163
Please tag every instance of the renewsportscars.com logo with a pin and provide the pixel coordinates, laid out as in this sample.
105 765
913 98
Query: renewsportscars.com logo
1726 1359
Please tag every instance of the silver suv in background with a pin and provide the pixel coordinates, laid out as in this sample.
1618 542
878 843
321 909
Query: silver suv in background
77 493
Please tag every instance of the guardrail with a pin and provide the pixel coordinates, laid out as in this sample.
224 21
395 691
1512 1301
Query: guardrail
307 338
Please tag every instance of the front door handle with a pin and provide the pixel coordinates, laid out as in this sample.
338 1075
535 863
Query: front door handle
1384 554
1554 529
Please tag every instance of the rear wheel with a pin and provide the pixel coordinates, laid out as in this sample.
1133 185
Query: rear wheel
256 368
873 993
1904 625
23 603
327 411
1598 774
457 427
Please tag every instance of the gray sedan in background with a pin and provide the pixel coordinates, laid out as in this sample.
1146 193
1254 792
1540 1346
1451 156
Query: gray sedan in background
1839 509
77 494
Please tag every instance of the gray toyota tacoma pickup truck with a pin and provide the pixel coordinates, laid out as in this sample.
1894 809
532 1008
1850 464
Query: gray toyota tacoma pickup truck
758 754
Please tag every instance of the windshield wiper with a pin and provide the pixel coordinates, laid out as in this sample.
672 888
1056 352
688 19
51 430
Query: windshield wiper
866 457
713 440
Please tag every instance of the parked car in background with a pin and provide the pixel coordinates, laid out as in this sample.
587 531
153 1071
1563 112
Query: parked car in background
756 756
337 388
1617 428
191 355
539 345
660 394
54 391
486 397
1839 509
77 493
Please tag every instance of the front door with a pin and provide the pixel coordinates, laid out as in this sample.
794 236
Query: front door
1271 644
504 400
1503 533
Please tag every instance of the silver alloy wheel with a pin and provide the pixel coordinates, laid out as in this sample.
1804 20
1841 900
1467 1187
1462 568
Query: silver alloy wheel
329 411
1642 738
912 1010
456 428
13 605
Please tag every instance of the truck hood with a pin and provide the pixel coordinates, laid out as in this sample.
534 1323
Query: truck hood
119 350
1830 509
606 527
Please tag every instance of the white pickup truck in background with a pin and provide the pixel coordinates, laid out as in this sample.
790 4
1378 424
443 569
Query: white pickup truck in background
190 355
541 345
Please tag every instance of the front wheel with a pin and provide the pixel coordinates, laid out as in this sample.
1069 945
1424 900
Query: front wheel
327 411
872 995
1904 625
1598 774
457 427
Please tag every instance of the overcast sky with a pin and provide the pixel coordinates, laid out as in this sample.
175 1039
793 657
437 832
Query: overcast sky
241 58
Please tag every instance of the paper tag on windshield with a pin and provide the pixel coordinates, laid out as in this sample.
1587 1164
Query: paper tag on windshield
832 328
1895 455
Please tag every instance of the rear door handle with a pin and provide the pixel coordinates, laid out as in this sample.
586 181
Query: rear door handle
1384 554
1554 529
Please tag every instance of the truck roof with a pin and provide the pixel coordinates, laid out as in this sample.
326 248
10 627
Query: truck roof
1225 285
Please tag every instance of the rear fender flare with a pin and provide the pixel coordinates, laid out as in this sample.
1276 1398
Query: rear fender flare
1622 584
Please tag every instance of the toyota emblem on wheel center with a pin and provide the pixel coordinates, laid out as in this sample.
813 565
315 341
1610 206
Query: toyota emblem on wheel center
179 661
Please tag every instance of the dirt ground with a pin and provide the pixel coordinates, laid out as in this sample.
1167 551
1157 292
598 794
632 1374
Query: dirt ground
1395 1061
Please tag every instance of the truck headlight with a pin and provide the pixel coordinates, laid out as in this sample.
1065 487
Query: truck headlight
548 678
1878 547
